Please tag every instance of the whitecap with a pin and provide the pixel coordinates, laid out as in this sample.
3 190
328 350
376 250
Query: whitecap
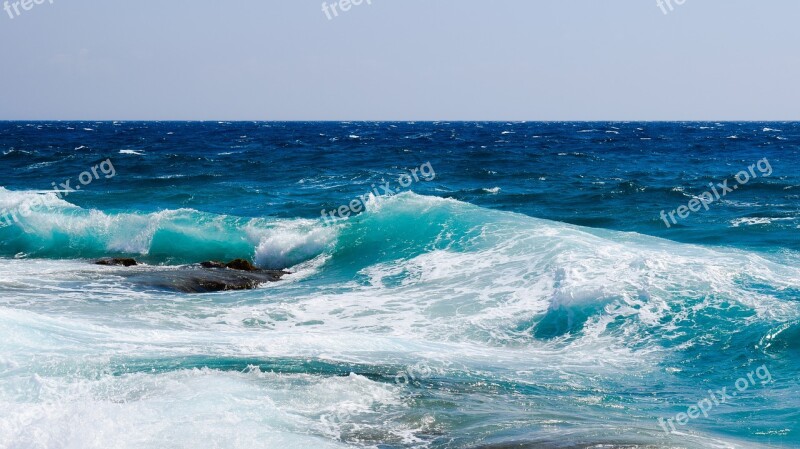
288 243
754 221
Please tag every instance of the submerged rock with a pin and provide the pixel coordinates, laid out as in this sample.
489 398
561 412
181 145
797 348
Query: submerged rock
206 277
197 279
213 264
114 262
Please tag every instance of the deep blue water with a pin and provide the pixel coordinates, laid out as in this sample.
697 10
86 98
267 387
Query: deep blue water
525 287
607 175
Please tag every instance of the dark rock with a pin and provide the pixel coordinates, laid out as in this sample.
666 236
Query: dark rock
241 265
115 262
196 279
206 277
238 264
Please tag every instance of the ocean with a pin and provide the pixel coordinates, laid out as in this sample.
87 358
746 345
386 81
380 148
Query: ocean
450 285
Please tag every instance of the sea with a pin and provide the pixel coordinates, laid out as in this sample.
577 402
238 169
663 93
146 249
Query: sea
451 285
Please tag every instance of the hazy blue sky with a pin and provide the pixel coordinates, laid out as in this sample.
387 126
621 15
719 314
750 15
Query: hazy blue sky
401 59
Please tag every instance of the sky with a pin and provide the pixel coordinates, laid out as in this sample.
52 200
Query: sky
400 60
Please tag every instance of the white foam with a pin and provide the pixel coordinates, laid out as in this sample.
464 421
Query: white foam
288 243
13 200
470 300
226 409
754 221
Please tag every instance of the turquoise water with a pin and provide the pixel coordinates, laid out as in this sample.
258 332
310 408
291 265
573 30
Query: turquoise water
522 290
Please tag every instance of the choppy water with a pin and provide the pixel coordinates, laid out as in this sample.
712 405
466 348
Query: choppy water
523 291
